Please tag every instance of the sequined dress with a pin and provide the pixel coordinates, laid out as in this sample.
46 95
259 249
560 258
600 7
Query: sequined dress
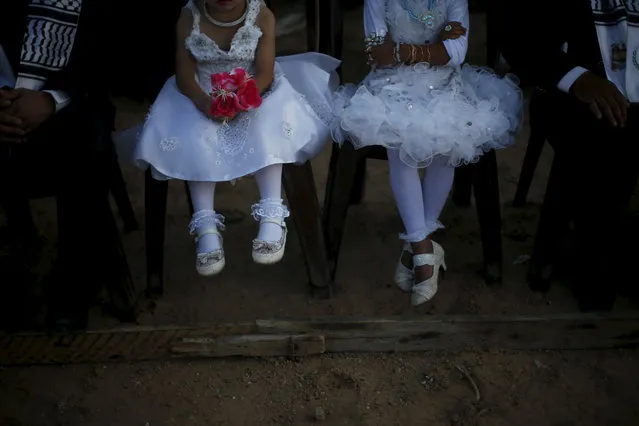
291 126
457 111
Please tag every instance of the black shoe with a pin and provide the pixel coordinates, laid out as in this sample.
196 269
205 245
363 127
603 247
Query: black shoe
66 320
539 277
599 300
67 305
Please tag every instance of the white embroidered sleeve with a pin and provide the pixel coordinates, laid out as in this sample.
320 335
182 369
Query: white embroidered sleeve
375 18
61 98
569 79
457 11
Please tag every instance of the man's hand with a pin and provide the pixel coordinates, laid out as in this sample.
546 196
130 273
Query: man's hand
33 108
11 130
203 103
7 96
603 98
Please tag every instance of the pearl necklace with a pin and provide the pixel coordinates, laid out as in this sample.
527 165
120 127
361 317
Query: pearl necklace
226 24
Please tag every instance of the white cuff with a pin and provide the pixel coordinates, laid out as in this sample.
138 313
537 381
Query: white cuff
61 98
456 49
569 79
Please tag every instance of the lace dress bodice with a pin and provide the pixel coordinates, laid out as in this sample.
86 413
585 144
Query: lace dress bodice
211 58
405 29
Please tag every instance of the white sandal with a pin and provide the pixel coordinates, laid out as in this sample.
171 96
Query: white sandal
404 277
207 222
270 211
426 290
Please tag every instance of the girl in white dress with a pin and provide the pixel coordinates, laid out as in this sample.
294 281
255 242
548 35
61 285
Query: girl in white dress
430 111
180 140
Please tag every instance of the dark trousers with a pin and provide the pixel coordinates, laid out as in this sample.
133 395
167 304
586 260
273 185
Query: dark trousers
68 157
594 176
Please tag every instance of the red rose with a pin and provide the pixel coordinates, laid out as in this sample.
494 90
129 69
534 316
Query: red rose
224 106
223 81
248 96
240 76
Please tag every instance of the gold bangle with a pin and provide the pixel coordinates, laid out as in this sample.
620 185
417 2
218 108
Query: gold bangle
428 50
413 53
421 53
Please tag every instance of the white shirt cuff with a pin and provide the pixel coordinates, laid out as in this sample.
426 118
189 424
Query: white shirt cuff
456 49
569 79
61 98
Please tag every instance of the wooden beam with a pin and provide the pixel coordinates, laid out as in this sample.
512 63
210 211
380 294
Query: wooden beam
263 338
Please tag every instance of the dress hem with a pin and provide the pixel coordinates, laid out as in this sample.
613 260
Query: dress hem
155 171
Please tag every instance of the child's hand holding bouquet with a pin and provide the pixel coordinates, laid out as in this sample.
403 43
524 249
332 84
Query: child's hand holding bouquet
233 93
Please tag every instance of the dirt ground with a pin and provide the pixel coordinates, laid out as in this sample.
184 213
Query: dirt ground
524 389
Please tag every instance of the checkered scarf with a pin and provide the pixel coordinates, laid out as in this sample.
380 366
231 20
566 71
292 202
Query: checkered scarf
48 40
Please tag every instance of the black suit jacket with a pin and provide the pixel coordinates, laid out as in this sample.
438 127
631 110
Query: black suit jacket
89 73
533 36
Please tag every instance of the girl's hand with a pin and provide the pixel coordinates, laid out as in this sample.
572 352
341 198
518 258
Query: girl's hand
203 103
451 31
383 55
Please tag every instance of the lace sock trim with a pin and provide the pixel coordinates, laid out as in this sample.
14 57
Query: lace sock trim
269 208
204 218
422 234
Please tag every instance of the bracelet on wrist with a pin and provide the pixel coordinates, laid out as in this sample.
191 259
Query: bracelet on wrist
397 53
413 54
373 40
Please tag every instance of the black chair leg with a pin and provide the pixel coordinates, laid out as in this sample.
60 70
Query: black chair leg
553 224
301 192
122 200
339 187
533 153
189 199
155 197
121 288
486 185
462 188
359 186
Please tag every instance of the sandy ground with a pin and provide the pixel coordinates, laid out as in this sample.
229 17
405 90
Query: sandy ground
531 389
524 389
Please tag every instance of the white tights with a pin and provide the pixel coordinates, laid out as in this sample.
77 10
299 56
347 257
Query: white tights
420 202
269 183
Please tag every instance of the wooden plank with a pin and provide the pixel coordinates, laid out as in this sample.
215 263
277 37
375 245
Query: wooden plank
253 345
263 338
553 332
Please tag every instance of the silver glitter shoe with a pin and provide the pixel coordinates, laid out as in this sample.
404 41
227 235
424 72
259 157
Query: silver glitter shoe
207 222
270 211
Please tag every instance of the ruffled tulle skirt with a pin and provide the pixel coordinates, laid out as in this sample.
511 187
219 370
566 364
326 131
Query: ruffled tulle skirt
291 126
426 112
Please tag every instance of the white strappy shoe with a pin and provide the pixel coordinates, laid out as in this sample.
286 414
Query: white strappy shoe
270 211
207 222
426 290
404 277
